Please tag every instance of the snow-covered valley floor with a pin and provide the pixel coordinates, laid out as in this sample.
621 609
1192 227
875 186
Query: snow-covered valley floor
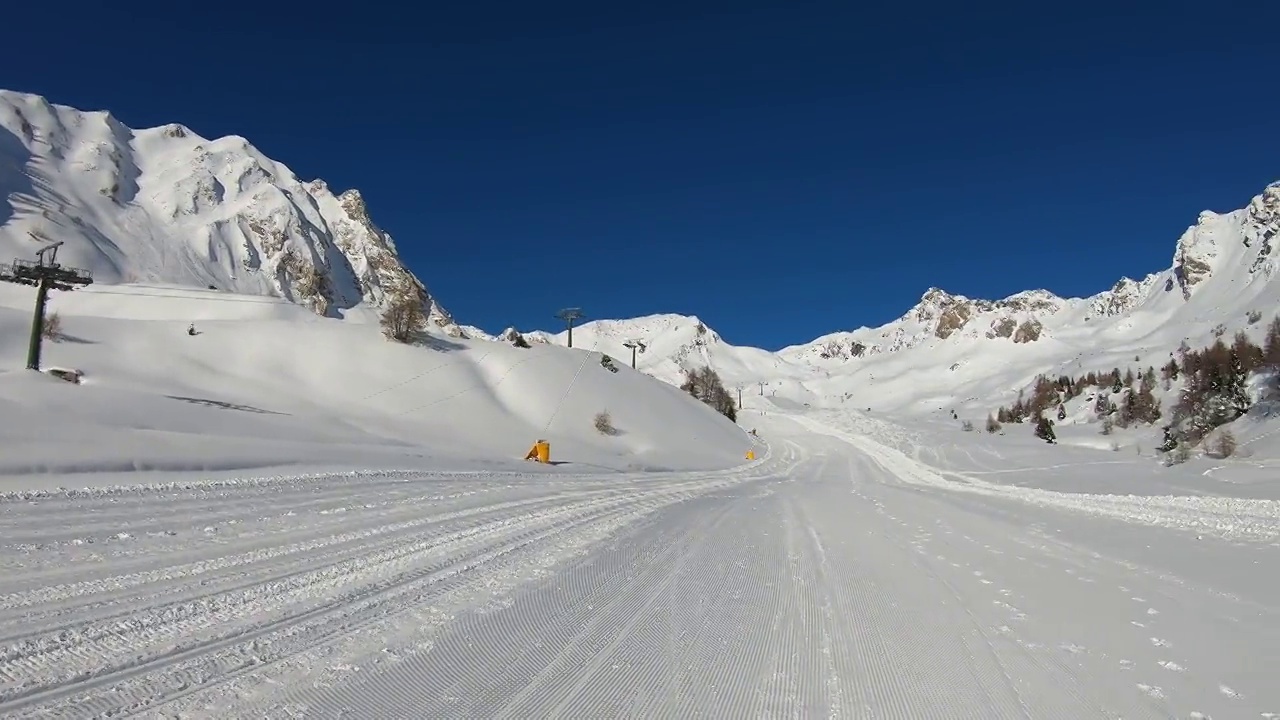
834 577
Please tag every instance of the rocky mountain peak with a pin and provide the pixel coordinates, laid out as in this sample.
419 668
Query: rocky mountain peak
1034 301
932 304
167 205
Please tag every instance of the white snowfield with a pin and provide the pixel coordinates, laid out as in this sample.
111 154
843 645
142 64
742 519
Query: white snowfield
836 576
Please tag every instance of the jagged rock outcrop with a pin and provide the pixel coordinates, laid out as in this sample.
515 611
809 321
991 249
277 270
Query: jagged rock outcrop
1121 298
843 349
952 319
1002 328
1028 331
1259 230
1193 254
1030 301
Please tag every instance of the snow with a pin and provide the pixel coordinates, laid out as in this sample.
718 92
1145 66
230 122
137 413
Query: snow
267 384
287 515
837 576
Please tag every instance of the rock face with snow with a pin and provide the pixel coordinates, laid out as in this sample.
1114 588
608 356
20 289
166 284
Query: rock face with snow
164 205
1121 298
1239 243
939 316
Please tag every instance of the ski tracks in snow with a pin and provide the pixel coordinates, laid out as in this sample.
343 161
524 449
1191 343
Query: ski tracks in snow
831 591
725 605
819 582
1078 631
114 603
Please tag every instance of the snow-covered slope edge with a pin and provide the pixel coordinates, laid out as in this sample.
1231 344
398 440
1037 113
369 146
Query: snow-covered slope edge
165 205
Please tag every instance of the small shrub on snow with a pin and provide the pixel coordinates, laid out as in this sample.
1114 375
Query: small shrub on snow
966 425
993 426
52 329
1107 425
1044 430
604 423
1180 453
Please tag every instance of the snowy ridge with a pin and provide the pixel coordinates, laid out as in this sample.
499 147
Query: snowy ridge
950 350
673 344
165 205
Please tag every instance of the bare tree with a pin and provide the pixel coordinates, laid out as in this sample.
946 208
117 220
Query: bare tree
1223 444
52 328
706 385
403 317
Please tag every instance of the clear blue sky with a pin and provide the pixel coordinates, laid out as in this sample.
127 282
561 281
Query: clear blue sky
781 169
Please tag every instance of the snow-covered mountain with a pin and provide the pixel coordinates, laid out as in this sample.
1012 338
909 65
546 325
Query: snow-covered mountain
962 352
672 344
165 205
1221 269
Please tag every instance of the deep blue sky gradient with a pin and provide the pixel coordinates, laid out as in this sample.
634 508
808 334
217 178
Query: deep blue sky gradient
780 169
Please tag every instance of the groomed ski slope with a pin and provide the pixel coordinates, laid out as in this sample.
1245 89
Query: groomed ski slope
837 576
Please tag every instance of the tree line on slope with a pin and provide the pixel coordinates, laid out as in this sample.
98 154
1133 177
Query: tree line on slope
1214 391
704 384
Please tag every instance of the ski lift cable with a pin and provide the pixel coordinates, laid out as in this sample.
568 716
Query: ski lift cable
556 410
